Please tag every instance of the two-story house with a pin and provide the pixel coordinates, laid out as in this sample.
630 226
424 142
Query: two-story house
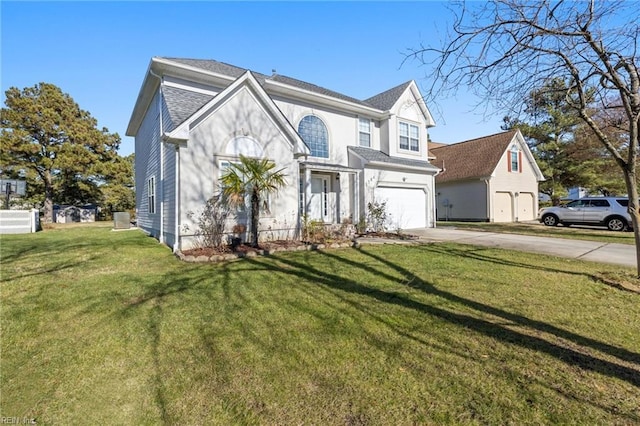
192 118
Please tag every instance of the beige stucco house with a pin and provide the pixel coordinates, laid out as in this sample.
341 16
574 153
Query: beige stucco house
492 179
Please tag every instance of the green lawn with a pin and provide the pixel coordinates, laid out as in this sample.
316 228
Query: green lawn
103 327
575 232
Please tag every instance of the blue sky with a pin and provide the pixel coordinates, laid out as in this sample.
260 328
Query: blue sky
98 52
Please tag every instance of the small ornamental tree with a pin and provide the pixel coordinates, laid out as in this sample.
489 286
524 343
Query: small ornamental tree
255 178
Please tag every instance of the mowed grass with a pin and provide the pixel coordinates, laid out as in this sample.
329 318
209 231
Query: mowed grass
104 327
574 232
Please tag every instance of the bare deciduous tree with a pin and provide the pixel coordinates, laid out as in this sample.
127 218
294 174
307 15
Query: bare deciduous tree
504 49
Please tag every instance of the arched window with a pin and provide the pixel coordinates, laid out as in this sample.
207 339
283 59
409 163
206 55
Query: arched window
244 145
515 159
315 135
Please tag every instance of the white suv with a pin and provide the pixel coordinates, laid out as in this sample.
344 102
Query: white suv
608 211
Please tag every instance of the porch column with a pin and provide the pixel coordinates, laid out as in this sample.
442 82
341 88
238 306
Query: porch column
307 190
356 196
338 213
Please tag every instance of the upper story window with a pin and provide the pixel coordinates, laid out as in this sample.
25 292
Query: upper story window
514 159
314 134
409 137
364 132
151 194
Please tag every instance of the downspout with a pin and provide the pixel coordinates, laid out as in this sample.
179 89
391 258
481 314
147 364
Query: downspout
488 192
161 191
435 198
176 243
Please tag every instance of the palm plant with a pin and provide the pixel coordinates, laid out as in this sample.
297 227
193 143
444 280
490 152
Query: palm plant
254 177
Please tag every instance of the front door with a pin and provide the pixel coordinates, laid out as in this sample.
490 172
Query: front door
319 201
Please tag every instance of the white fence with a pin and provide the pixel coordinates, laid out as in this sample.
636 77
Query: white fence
19 221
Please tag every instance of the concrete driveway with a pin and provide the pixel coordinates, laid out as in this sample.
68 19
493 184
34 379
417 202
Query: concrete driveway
618 254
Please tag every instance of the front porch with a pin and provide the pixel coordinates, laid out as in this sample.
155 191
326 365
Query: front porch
329 193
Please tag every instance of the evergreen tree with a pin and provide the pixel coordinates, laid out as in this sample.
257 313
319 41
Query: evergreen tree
57 146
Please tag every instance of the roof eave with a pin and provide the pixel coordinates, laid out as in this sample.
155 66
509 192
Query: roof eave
277 87
181 132
430 122
426 169
158 68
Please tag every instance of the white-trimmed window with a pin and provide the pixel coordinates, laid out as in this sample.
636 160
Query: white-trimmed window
409 136
151 194
314 133
514 159
364 132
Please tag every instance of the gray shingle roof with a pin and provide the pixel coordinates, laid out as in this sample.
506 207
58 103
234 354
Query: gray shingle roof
385 100
210 65
181 104
315 89
382 101
379 156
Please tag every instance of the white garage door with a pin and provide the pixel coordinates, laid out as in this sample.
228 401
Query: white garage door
502 211
526 206
406 207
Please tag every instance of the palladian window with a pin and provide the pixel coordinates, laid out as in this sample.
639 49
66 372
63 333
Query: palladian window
315 135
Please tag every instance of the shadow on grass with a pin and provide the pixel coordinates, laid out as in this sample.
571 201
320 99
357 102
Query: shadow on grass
488 328
620 353
331 277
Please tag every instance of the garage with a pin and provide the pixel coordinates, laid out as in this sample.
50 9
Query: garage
406 207
526 206
502 210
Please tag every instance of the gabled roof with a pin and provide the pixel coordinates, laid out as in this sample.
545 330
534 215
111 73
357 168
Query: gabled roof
386 100
181 104
375 156
223 74
235 72
475 158
247 79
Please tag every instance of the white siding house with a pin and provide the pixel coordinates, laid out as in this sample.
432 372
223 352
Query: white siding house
192 117
492 179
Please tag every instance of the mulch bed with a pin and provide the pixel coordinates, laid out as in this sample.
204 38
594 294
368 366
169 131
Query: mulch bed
243 248
211 254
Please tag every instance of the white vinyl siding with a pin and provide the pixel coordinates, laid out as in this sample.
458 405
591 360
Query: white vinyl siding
147 164
168 203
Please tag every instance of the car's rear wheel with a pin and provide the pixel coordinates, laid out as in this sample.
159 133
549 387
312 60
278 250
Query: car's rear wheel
616 224
550 220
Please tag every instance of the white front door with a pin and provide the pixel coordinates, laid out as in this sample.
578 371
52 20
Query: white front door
319 201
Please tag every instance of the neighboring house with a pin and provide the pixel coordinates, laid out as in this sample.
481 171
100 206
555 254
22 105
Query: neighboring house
493 179
194 117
